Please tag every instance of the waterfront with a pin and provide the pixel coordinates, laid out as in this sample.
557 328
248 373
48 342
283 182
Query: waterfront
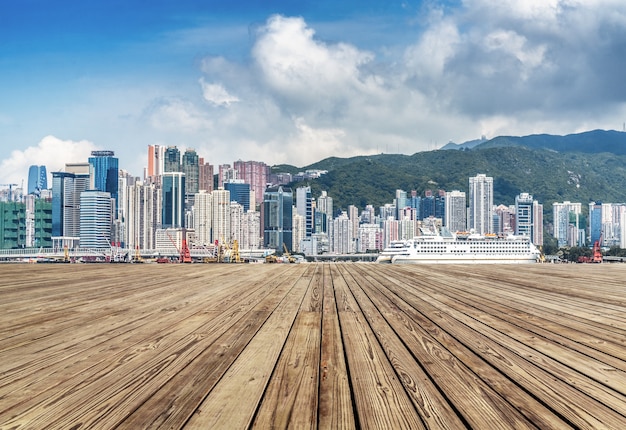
312 345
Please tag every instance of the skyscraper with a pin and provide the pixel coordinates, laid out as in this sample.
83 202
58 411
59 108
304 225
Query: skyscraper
595 222
95 219
156 159
277 217
255 173
202 217
173 195
304 208
220 216
37 180
239 192
205 176
105 168
456 211
143 215
191 169
481 204
325 206
566 217
171 163
529 218
66 190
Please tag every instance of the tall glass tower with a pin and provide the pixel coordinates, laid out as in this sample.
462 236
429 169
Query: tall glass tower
191 169
277 217
173 195
105 172
37 179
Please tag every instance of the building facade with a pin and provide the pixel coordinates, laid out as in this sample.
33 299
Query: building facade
96 217
456 210
481 204
277 218
173 200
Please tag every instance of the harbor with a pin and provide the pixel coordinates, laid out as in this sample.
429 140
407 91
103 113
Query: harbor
313 345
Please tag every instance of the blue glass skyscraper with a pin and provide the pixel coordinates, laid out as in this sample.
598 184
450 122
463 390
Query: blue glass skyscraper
37 179
277 221
239 192
105 172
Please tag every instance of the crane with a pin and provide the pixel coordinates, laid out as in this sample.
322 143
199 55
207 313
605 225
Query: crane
184 253
10 190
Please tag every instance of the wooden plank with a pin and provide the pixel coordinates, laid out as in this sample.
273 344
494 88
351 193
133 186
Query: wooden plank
234 400
379 397
576 407
177 399
290 400
335 397
435 410
454 369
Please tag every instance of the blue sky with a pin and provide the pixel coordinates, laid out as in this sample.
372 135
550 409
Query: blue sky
296 82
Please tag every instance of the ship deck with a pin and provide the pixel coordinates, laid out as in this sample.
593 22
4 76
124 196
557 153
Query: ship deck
312 346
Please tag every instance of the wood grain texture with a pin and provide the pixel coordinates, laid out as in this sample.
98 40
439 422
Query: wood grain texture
329 345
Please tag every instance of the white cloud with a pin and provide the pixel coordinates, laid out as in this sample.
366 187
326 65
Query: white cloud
51 152
216 94
177 115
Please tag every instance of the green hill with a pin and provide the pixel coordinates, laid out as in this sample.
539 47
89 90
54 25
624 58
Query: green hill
550 176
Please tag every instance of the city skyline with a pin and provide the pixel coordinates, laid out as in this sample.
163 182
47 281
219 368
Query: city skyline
232 79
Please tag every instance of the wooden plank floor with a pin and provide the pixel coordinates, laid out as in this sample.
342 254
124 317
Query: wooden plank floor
353 345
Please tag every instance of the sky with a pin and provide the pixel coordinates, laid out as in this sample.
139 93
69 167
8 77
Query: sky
299 81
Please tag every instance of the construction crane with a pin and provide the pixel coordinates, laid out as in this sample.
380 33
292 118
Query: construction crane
10 190
290 258
183 251
234 253
597 252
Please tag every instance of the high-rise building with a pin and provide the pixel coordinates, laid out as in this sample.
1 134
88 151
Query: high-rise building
324 205
37 180
205 176
255 173
171 162
95 219
353 214
66 190
401 202
191 169
225 173
203 210
529 218
298 230
220 216
236 218
567 218
370 238
156 160
38 221
105 169
595 222
143 215
524 214
481 204
239 192
173 200
251 227
304 208
277 217
456 210
341 235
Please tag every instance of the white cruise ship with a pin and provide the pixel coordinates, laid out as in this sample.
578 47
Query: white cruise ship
466 249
